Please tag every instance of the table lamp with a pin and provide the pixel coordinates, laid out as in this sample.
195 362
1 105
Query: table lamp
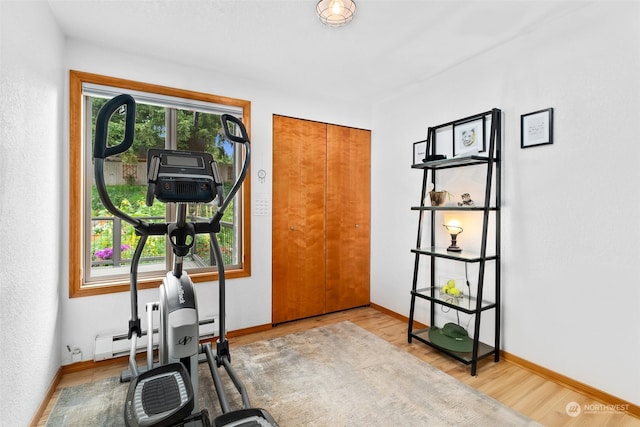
453 228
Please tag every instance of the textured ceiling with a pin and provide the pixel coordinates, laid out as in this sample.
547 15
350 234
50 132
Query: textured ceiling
389 46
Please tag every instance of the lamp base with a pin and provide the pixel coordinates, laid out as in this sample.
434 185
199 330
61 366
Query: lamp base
454 248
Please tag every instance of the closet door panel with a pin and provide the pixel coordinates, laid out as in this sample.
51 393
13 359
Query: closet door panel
298 230
348 217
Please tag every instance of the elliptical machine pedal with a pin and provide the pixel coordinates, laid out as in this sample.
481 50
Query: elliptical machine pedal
251 417
144 407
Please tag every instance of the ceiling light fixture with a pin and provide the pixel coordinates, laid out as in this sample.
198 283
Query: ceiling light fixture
336 13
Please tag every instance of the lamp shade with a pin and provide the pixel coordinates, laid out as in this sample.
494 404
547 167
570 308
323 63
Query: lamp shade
336 13
453 229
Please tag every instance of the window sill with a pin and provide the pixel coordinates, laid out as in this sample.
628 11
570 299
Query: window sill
147 283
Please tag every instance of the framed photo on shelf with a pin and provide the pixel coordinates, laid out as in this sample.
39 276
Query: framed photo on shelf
419 152
536 128
468 138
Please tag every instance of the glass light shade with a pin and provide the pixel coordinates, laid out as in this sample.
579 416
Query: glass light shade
453 229
336 13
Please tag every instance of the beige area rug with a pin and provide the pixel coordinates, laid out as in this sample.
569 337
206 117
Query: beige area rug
337 375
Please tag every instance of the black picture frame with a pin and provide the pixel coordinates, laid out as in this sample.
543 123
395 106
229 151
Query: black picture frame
419 152
469 137
536 128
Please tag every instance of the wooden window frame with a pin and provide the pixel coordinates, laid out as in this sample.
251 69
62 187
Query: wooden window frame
77 287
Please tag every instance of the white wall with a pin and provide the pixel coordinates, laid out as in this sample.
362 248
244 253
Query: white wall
31 153
248 299
570 234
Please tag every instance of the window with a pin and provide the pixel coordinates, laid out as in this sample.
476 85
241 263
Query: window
101 246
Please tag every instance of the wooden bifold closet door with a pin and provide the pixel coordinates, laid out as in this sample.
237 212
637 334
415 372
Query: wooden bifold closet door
321 218
298 228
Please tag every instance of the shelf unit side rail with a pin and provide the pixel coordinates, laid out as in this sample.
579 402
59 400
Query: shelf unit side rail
431 143
493 142
498 203
416 263
493 148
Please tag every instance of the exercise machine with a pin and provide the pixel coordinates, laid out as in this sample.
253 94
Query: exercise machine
165 393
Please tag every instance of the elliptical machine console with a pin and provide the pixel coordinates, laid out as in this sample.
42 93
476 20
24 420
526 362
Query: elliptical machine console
182 176
165 393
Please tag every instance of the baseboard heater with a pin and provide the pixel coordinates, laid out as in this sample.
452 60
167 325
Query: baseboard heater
109 346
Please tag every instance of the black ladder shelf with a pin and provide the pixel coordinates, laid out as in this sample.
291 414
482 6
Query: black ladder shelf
475 305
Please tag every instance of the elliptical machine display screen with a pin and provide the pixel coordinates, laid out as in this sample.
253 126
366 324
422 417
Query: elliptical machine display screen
181 176
182 161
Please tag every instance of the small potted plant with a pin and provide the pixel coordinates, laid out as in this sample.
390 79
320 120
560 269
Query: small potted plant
439 198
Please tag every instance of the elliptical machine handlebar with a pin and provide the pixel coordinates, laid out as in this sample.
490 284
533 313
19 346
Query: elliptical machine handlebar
101 151
225 119
244 140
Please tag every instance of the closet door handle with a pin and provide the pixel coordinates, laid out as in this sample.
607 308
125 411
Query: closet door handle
292 228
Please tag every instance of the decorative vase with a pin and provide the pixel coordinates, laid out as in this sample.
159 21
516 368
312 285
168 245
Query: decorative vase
438 198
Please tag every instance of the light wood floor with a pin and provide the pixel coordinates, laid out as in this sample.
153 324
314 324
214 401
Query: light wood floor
542 400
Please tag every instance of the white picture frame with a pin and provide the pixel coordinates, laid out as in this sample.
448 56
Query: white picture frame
469 138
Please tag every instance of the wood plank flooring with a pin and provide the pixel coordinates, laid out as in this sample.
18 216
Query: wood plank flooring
540 399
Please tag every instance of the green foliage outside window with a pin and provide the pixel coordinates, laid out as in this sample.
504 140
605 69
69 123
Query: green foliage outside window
196 131
131 200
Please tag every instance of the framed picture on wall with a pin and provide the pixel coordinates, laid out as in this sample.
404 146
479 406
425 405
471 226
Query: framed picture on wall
468 138
419 152
536 128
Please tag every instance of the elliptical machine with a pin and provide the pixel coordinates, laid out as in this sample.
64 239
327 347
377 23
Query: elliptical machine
166 393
